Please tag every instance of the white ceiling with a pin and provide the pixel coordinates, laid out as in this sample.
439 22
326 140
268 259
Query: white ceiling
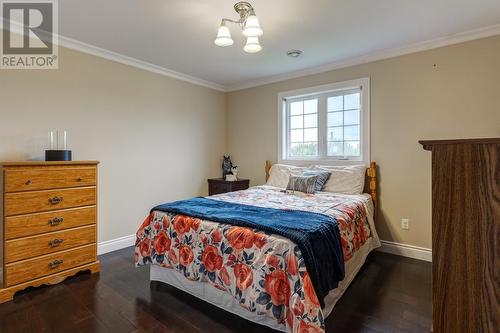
178 34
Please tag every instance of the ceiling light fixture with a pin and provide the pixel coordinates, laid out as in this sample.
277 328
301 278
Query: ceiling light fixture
250 25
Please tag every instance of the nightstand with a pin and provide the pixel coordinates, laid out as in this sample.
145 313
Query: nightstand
220 185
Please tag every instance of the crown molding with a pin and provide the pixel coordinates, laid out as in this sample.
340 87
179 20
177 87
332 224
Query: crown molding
451 39
123 59
79 46
457 38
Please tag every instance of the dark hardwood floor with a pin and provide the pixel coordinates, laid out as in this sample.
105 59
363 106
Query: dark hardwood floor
390 294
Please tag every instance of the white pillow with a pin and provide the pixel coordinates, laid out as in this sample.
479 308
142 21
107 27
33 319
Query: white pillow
349 179
280 173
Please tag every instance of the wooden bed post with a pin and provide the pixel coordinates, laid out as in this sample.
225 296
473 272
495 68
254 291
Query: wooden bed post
268 168
371 175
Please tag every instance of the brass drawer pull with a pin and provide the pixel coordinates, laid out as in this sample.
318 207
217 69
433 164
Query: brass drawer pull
56 200
55 263
29 182
56 242
56 221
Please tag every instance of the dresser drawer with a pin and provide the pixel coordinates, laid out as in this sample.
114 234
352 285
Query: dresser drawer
39 201
27 247
43 178
218 188
26 270
219 185
39 223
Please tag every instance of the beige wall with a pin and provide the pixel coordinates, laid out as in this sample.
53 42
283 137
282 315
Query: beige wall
450 92
157 138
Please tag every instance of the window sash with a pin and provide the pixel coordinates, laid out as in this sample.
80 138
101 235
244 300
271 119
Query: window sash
288 129
345 92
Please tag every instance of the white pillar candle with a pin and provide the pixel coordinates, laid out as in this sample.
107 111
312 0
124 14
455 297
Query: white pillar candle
51 140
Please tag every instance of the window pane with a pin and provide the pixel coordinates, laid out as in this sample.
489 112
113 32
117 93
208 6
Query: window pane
351 132
335 149
351 148
304 149
296 122
335 103
311 134
311 106
335 118
335 134
351 117
297 135
311 120
296 108
351 101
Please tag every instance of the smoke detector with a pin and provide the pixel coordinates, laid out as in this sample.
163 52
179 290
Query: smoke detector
294 53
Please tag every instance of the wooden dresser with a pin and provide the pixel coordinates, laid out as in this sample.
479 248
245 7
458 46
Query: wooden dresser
465 235
49 227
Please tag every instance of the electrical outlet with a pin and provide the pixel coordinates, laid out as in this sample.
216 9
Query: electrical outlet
405 224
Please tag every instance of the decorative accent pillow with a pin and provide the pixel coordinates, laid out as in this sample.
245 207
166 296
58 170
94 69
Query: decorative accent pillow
322 177
302 184
349 179
280 173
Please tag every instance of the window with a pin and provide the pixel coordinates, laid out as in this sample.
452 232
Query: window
330 123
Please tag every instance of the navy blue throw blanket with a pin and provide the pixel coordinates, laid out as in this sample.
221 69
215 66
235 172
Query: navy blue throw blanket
316 235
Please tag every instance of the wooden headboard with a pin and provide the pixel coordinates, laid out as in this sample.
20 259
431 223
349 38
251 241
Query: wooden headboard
370 181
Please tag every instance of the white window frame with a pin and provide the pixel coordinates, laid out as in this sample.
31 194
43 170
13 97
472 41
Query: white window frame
323 92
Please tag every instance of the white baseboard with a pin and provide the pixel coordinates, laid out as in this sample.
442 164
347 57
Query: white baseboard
410 251
115 244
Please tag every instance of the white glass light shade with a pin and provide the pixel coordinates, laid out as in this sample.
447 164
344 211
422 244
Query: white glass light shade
252 27
223 37
252 45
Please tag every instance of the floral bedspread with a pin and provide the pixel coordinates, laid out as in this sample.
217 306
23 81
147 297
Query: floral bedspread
264 272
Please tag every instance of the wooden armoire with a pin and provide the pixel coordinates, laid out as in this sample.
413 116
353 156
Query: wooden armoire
465 235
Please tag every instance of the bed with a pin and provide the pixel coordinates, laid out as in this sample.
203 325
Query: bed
261 274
